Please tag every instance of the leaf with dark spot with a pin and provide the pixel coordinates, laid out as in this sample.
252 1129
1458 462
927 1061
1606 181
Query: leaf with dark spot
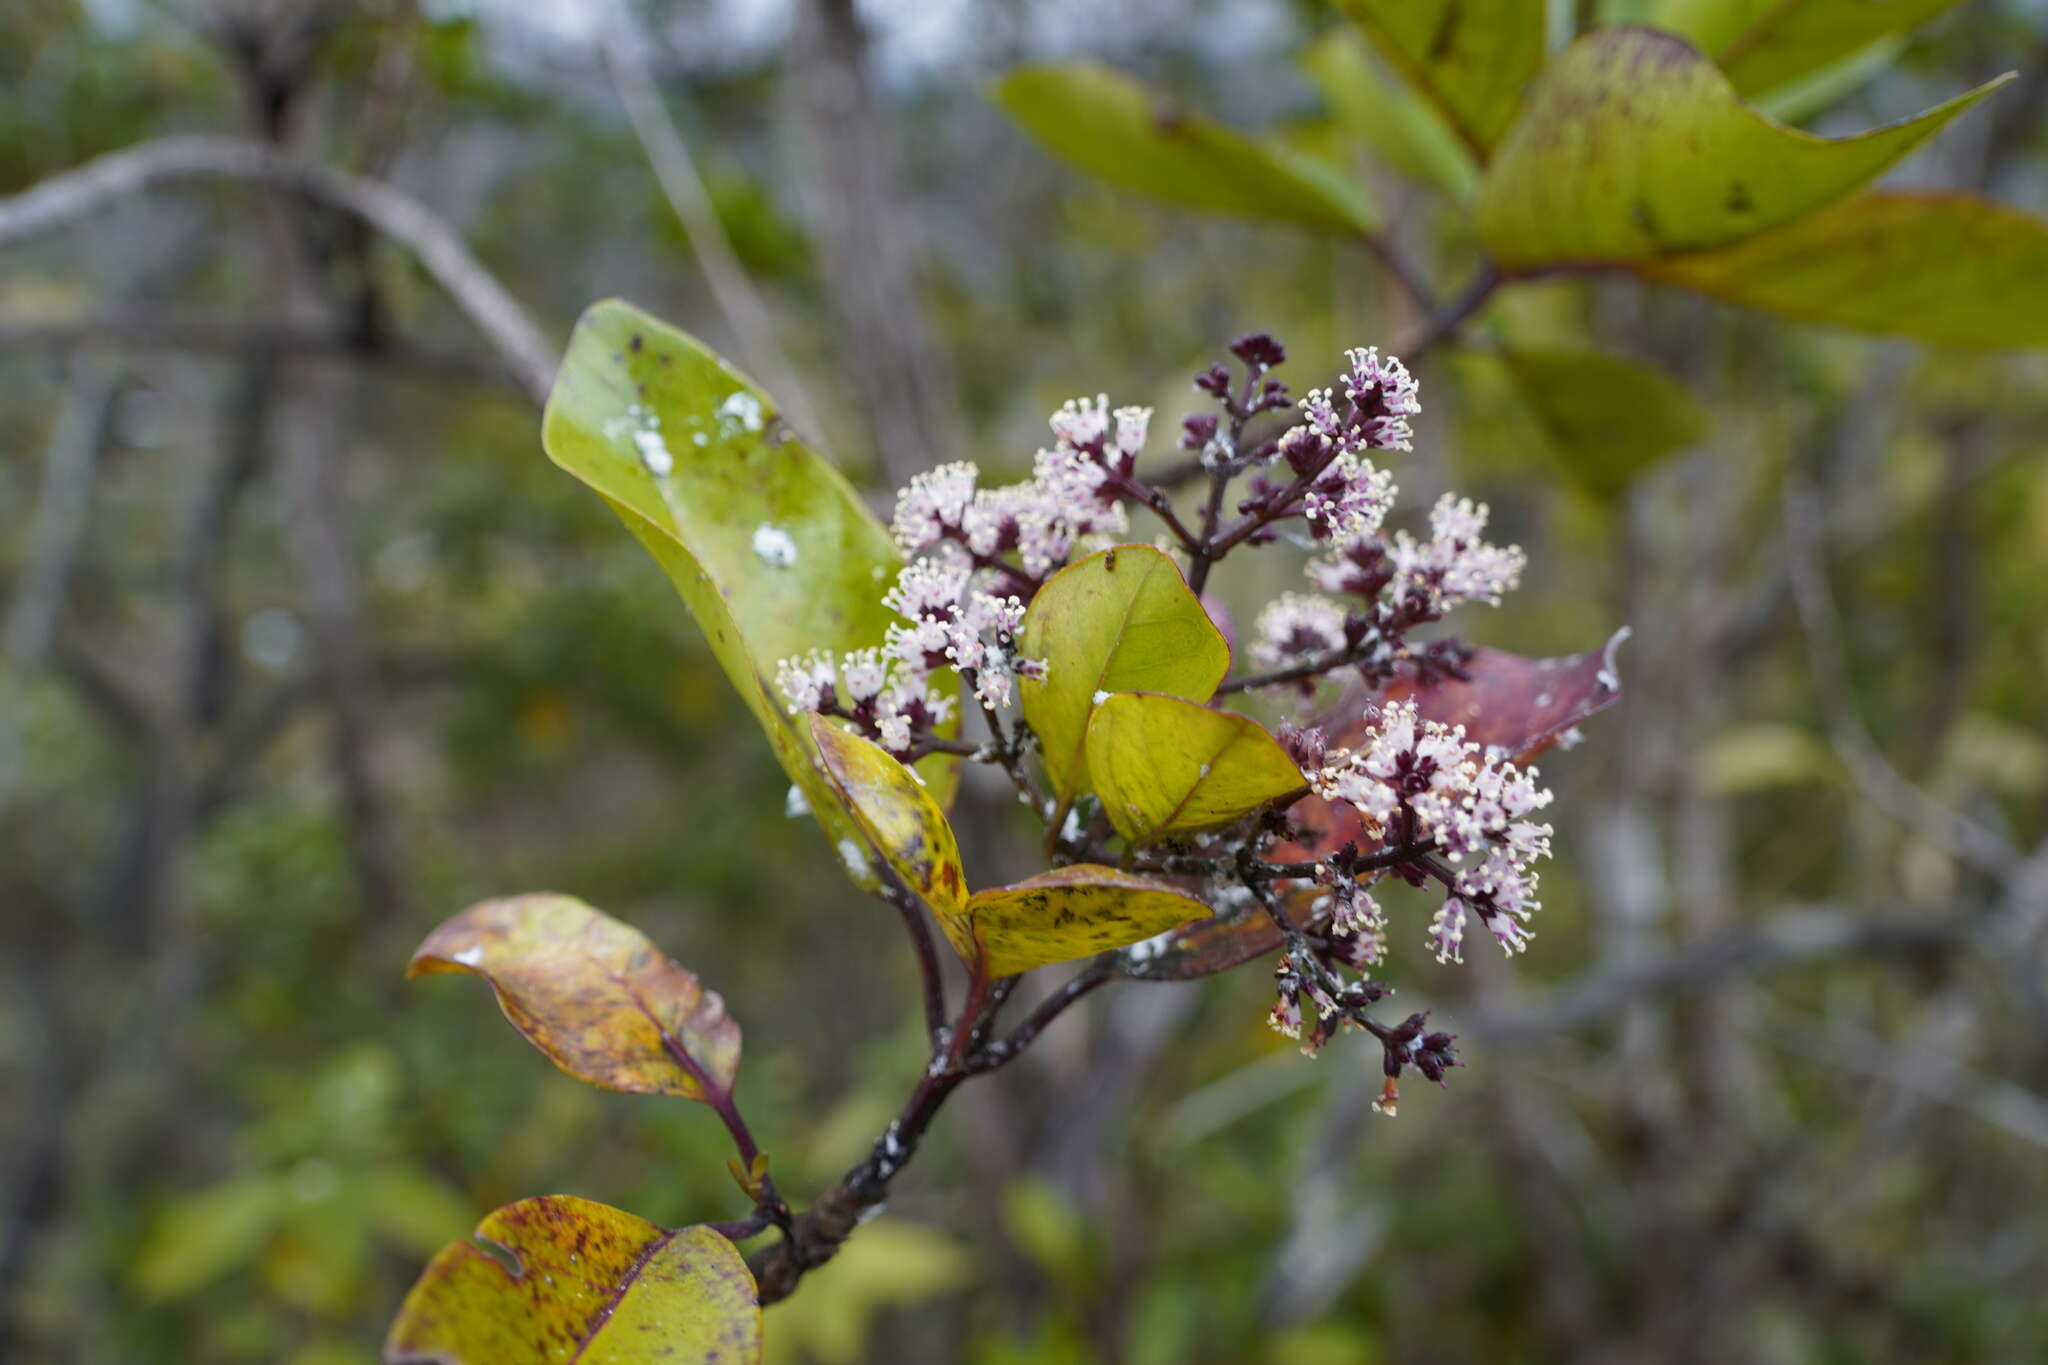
1057 916
1632 145
564 1280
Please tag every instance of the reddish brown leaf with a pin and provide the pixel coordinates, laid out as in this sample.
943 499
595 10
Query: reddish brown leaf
595 995
1516 704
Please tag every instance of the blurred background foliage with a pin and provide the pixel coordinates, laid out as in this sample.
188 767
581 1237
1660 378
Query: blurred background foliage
335 652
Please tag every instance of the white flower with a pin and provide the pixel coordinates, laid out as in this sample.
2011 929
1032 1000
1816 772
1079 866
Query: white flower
806 680
1297 627
935 502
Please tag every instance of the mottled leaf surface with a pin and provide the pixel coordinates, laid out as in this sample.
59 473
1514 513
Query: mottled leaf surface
1634 146
1470 58
1166 767
1071 912
1952 269
1765 44
1121 620
595 995
897 816
1112 127
1606 417
591 1283
772 551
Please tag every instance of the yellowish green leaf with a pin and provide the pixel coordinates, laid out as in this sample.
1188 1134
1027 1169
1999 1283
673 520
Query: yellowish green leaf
898 818
595 995
587 1283
1166 767
1110 126
1607 417
1121 620
1056 916
1947 268
1392 121
1470 58
772 551
1765 44
1633 146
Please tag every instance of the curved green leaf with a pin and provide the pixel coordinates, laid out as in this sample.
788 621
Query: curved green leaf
587 1283
1469 58
1396 124
1057 916
901 821
1121 620
1166 767
1764 44
1634 146
1607 417
1112 127
773 552
1947 268
595 995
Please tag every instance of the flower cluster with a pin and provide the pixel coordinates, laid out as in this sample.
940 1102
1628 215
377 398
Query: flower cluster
1417 781
1075 491
1395 583
975 556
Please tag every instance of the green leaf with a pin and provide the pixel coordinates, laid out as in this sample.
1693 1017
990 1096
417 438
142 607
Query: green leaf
1389 119
1765 44
587 1283
899 818
772 551
1607 417
1057 916
1469 58
1110 126
1121 620
1947 268
1166 767
1633 146
595 995
209 1233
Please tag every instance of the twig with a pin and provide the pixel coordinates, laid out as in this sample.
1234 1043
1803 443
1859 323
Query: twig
483 300
624 48
1444 324
933 985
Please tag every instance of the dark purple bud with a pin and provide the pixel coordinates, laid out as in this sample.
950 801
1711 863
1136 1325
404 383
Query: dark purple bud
1259 350
1214 381
1197 430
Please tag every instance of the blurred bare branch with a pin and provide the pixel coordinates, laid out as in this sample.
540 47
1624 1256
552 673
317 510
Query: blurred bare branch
488 305
624 50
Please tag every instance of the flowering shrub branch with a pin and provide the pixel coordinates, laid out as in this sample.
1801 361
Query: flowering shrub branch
1019 627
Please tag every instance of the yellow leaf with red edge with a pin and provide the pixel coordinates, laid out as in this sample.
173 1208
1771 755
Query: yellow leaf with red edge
596 996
